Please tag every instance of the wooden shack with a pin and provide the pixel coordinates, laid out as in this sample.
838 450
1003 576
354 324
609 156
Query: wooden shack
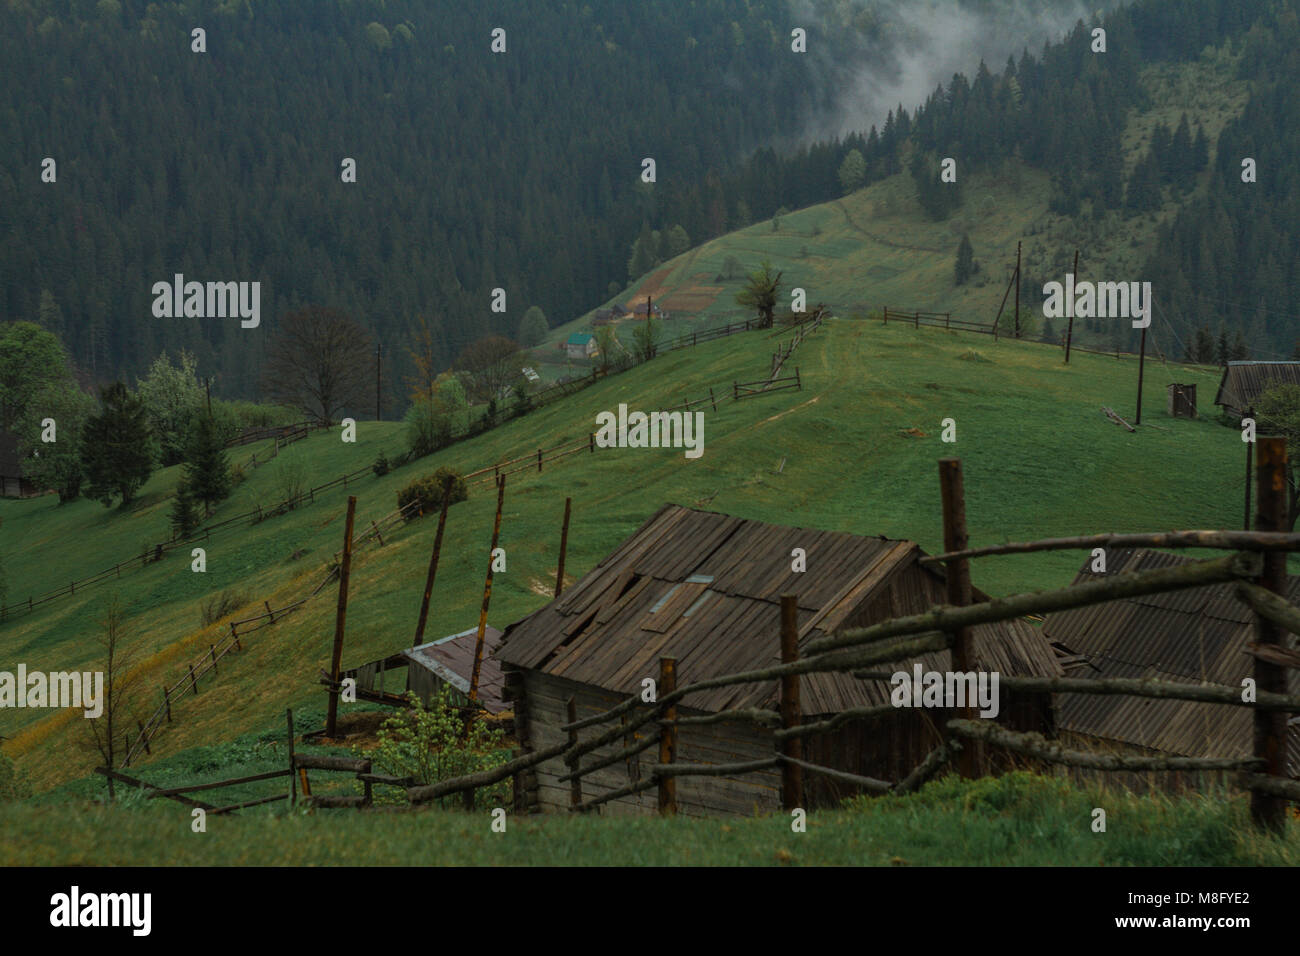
704 588
1182 400
426 669
1198 635
1244 382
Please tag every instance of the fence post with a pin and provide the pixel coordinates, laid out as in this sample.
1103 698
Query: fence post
487 597
1270 726
269 612
564 547
144 738
167 701
194 684
591 442
345 569
575 785
539 459
735 391
713 400
212 652
798 384
791 774
293 782
234 634
433 565
375 528
962 640
668 736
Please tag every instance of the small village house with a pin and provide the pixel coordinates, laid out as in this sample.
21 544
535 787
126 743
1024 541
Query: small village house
1244 382
13 484
427 669
581 345
704 588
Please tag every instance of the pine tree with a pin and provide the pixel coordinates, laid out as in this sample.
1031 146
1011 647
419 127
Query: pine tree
184 516
207 468
965 267
118 449
1222 351
1200 150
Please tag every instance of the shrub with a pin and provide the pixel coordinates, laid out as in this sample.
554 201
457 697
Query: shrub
430 744
290 477
219 605
381 466
428 491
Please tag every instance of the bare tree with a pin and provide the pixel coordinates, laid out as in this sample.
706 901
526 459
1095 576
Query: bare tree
319 361
490 365
120 677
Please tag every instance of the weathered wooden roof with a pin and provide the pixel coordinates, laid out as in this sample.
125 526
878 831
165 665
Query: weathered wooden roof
1243 382
1195 635
452 659
705 588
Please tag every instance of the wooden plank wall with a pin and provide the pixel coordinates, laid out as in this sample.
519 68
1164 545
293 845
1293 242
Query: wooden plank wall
545 705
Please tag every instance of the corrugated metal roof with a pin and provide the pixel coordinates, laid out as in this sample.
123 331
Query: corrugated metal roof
603 631
1243 382
1196 635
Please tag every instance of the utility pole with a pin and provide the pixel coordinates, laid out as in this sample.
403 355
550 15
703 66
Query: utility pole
336 660
1142 361
1069 332
1017 290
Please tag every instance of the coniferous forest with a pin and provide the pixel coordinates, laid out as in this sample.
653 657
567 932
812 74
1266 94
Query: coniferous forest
522 172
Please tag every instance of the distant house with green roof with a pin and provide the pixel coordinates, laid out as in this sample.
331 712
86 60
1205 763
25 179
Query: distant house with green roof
580 345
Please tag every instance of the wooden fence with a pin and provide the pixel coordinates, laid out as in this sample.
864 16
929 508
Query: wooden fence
741 390
1257 567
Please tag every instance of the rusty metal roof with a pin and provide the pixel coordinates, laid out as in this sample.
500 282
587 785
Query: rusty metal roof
1195 635
1243 382
705 588
452 659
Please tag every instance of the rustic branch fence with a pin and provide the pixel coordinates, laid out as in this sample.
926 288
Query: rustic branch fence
1258 556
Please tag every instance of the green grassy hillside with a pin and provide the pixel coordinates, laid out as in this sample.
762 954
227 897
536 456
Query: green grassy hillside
875 247
859 446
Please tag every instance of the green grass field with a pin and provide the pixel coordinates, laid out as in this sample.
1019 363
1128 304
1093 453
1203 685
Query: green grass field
860 444
1016 820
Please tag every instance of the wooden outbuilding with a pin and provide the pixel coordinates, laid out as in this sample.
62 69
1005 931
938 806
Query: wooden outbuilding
1243 382
448 661
1198 635
704 588
12 482
1182 400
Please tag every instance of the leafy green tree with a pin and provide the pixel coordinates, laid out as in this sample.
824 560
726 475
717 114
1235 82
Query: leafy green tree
533 327
761 292
118 448
30 358
677 241
606 343
645 338
55 464
173 395
853 171
731 268
207 467
965 267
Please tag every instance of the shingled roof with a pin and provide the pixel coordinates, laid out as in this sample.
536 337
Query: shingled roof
705 588
1243 382
1195 635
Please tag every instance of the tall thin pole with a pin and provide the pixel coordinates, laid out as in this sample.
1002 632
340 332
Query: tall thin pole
955 538
207 384
564 547
379 381
1249 455
1270 726
668 736
331 723
791 773
1069 332
1017 290
1142 361
433 565
487 593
